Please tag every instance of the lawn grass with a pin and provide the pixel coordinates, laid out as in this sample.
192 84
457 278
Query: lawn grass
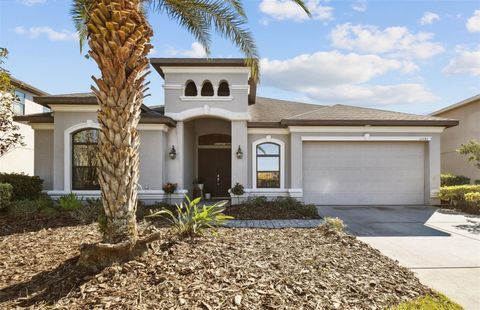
439 302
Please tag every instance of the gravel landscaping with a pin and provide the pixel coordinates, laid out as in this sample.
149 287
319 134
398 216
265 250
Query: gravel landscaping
239 269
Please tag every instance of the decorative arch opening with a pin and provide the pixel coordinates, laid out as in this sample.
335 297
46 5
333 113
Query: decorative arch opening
223 89
84 159
191 89
207 89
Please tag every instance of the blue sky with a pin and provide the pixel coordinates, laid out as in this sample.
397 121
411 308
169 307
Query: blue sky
409 56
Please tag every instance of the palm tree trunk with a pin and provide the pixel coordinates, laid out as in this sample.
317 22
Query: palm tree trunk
119 40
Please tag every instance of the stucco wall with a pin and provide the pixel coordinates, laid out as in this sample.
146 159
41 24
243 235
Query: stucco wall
452 138
20 159
44 157
174 103
152 159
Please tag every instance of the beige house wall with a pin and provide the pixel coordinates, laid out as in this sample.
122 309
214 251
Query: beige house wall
452 138
20 159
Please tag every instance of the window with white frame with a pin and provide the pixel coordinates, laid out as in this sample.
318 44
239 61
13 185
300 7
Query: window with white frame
84 159
268 165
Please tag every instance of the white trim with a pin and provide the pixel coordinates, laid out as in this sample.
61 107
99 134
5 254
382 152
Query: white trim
365 137
161 127
240 87
212 69
206 98
41 126
67 151
74 107
362 129
206 110
282 162
172 86
268 131
142 194
272 192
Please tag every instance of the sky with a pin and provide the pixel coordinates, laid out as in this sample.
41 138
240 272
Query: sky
408 56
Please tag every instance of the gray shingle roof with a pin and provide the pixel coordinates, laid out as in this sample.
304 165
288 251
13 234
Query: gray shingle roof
274 110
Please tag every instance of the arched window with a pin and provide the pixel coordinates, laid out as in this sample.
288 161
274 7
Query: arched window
223 89
84 159
207 89
268 165
191 89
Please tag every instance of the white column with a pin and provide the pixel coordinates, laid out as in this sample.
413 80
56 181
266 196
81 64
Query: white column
175 166
433 170
296 158
239 166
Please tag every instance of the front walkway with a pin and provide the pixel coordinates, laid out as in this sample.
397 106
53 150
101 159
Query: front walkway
441 247
273 224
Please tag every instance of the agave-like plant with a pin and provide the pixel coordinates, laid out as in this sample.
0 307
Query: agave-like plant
190 219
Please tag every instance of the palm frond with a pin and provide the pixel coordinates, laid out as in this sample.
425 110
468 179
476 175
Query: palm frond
304 7
80 13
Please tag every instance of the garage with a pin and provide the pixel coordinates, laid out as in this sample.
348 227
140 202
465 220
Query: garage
364 172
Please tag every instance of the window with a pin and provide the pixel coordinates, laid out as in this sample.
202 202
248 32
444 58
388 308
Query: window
191 89
268 165
19 103
84 159
223 89
207 89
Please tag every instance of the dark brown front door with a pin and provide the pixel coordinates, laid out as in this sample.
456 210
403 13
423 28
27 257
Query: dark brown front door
214 170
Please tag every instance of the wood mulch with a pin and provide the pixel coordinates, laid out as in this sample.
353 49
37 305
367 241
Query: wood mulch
239 269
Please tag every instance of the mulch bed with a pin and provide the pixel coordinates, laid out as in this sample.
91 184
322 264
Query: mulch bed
239 269
271 211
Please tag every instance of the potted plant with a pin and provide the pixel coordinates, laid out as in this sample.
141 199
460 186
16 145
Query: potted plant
237 190
169 188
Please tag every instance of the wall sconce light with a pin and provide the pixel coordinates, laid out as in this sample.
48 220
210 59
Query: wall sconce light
239 153
173 153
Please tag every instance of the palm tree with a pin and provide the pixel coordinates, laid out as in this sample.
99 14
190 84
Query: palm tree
118 34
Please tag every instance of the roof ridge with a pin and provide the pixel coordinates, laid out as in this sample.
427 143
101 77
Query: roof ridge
305 113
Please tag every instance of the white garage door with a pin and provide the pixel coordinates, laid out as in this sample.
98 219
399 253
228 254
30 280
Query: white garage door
363 173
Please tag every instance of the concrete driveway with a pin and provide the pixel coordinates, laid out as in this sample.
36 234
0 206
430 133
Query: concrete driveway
441 246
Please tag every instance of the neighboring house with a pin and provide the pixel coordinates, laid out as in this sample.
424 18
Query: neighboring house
20 159
468 113
215 129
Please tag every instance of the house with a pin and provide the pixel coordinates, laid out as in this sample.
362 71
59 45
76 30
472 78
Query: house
214 129
20 159
468 113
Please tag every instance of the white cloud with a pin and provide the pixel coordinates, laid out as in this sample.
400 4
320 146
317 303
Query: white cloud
288 10
196 51
428 18
337 77
473 23
360 6
324 69
465 62
374 95
51 34
392 41
32 2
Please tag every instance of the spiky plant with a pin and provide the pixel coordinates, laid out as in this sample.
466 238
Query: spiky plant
118 34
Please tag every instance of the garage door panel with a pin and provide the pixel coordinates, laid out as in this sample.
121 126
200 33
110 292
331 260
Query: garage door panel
363 172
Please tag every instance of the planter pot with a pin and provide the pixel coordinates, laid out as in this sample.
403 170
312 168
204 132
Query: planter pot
200 186
208 195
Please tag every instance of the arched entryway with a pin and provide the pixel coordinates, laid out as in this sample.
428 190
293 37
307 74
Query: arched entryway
215 164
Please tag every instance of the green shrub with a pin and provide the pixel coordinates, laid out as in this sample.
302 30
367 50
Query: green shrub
69 202
24 186
87 213
257 201
335 224
191 220
26 208
477 182
473 198
289 203
5 195
238 189
455 194
452 180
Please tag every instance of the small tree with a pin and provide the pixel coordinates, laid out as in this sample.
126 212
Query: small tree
10 138
472 150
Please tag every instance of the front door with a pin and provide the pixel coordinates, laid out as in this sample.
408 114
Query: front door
214 170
